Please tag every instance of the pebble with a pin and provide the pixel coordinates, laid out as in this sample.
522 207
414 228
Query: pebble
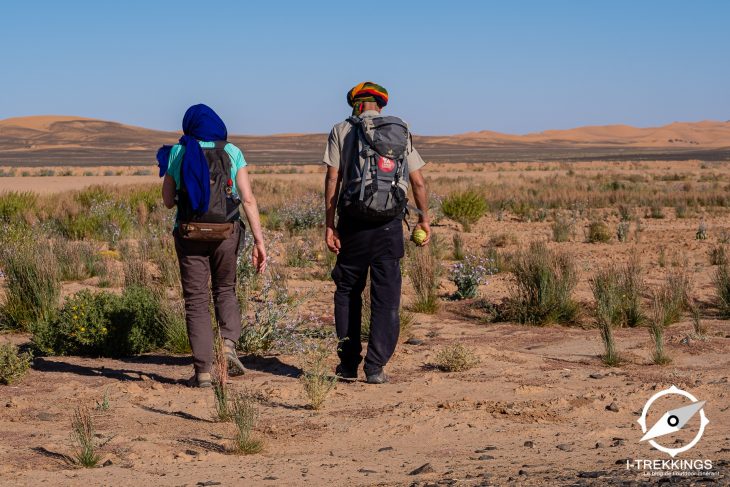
414 341
600 445
591 475
107 463
425 468
485 457
613 407
207 483
529 444
596 376
366 471
385 448
564 447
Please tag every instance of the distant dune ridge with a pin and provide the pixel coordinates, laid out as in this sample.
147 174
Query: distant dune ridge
69 140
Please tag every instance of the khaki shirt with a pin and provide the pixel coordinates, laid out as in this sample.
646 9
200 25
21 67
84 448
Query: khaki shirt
342 146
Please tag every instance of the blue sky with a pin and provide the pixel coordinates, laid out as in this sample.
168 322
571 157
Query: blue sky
450 67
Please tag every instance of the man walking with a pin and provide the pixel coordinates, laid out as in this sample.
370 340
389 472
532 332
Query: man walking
370 160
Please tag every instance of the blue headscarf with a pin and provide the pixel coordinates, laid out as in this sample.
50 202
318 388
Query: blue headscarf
199 123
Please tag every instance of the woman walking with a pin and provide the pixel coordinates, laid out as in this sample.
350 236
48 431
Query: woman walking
206 178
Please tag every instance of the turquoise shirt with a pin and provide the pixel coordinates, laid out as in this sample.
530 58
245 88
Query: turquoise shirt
176 157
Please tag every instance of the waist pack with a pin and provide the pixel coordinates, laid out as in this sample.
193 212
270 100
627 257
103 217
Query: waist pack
223 208
210 232
373 192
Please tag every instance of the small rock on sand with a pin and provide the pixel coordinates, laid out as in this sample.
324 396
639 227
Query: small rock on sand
564 447
425 468
613 407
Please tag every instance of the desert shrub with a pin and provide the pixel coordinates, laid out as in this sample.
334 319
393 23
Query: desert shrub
76 260
13 364
655 211
276 318
721 282
680 210
622 231
172 320
101 217
424 271
81 327
701 233
104 324
674 295
630 287
455 358
15 204
32 284
317 379
562 229
303 213
718 255
160 249
607 294
598 232
660 318
134 259
544 284
84 436
136 323
243 415
219 376
465 207
469 274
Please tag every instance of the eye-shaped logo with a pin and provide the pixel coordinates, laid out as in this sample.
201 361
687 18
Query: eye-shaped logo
385 164
673 421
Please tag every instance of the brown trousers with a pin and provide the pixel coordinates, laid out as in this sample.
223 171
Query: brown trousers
199 262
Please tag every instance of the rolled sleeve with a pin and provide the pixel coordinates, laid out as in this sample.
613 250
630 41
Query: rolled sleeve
415 161
332 153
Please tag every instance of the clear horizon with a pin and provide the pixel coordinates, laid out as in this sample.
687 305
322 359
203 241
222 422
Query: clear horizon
285 67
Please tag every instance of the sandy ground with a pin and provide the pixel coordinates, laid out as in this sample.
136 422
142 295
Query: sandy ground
539 409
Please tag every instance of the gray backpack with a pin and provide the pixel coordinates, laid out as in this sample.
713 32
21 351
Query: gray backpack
372 192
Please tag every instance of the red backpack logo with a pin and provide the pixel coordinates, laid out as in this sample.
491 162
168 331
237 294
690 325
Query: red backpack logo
385 164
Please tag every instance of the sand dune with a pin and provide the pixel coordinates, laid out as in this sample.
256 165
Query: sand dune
69 140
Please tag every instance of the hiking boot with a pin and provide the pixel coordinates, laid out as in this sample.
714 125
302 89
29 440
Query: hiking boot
377 378
235 367
347 374
202 380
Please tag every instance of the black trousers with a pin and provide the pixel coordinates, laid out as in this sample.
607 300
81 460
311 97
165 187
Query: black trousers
374 248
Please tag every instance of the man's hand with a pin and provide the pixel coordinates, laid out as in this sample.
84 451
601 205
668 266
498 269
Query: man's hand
258 257
332 239
426 227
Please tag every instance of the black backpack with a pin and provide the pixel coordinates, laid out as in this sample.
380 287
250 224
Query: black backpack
372 192
223 206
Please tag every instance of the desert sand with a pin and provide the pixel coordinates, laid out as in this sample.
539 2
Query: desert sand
539 409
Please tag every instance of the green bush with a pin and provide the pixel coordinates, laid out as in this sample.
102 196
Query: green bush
544 284
105 324
32 284
81 327
721 281
13 365
465 207
13 204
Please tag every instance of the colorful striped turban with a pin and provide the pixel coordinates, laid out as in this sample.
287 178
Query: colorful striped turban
367 91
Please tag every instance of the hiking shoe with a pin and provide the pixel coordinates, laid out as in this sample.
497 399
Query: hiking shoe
377 378
235 367
202 380
346 373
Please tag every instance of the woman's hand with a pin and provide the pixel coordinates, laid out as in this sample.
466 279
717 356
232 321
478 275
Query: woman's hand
258 257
